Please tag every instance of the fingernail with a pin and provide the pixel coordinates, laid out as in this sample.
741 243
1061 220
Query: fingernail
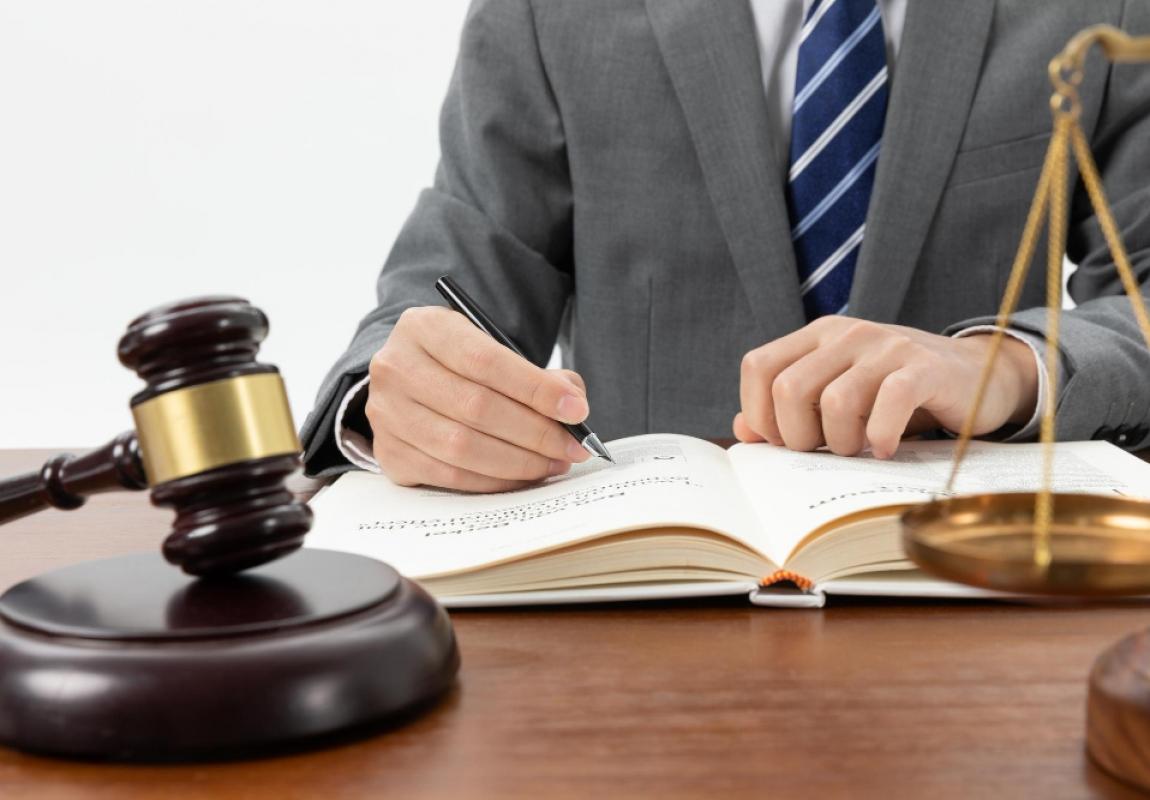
575 451
572 408
558 467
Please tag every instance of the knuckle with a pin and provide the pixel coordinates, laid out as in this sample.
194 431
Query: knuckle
379 364
837 400
749 362
457 442
898 345
476 406
478 358
787 386
899 384
411 319
857 331
919 353
755 362
384 368
825 323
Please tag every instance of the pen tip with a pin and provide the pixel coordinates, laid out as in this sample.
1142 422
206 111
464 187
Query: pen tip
596 448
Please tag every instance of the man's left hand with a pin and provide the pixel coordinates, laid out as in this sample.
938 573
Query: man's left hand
848 383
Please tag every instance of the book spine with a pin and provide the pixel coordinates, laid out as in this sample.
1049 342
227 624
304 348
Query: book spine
786 576
788 598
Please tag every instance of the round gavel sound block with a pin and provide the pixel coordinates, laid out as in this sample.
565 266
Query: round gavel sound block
129 659
1118 710
257 644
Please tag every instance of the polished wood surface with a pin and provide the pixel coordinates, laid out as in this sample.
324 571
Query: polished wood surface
698 699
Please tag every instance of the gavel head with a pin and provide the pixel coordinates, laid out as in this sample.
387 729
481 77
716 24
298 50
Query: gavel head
215 434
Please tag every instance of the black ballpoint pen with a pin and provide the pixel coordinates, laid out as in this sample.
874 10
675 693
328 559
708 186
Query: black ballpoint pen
462 303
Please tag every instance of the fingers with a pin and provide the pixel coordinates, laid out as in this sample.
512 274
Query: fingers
743 431
490 412
465 350
408 466
451 407
797 391
758 371
847 383
575 378
900 395
461 446
845 405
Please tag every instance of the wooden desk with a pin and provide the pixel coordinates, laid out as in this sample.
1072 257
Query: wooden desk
699 699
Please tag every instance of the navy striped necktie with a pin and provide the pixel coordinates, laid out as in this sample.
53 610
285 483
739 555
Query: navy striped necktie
839 108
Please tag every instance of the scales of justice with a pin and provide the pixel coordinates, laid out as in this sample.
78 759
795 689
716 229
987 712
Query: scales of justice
1046 543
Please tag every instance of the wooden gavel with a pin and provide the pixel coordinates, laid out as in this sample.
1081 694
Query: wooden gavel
214 440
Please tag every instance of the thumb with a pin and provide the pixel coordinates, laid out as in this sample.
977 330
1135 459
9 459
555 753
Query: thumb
573 378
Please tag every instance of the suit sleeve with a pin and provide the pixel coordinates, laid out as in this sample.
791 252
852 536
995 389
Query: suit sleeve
498 216
1106 394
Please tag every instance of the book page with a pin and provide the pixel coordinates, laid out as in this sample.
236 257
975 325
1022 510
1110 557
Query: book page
658 481
795 493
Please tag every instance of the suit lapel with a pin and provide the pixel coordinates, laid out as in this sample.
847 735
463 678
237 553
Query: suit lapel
934 81
712 56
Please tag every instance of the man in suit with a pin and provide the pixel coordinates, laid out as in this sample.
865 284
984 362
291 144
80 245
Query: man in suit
793 216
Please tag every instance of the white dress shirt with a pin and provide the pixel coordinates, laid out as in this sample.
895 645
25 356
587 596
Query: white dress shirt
778 27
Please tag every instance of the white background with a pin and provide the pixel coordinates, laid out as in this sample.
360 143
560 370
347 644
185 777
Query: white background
155 150
151 151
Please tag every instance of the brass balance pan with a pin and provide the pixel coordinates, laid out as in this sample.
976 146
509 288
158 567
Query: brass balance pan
1099 545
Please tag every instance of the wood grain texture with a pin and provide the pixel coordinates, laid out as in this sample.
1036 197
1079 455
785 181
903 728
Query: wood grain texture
688 699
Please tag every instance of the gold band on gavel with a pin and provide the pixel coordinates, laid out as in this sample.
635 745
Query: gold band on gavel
192 430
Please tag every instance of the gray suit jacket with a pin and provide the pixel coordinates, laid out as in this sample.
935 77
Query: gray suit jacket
607 182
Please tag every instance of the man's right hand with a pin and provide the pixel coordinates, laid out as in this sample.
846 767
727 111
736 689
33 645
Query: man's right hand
449 406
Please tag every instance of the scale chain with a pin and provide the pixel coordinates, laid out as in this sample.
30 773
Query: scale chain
1051 206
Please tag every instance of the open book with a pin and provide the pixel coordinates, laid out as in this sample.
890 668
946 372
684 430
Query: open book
681 517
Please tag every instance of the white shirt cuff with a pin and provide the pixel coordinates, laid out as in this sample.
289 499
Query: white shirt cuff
1030 429
354 446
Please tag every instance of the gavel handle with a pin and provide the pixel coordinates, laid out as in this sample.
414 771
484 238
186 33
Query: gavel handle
66 481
